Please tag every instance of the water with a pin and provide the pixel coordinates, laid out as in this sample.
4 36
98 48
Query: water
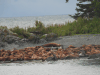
61 67
23 22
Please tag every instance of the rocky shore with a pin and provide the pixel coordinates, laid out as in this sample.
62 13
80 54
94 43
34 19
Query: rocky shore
13 48
54 53
9 40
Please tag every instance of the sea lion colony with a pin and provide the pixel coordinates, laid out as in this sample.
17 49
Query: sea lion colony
42 53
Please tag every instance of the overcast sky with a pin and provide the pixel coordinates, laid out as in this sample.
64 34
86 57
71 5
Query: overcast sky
20 8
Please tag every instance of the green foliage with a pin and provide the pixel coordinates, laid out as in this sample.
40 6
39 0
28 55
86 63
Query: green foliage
96 5
31 29
43 36
3 27
22 33
31 38
79 26
39 26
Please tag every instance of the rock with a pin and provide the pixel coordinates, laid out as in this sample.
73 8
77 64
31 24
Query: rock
50 37
42 41
10 39
49 58
33 38
24 40
54 56
82 53
2 44
93 56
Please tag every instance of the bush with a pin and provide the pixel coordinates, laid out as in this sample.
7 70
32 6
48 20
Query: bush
22 33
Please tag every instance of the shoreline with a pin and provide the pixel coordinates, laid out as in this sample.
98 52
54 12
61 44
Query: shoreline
77 43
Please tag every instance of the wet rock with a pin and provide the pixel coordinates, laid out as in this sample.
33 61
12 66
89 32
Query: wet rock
92 56
54 57
50 59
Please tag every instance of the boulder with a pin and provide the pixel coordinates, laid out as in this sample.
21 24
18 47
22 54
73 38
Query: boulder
2 44
34 38
82 53
42 41
11 39
50 37
93 56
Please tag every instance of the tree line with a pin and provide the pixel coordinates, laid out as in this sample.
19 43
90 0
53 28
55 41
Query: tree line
89 10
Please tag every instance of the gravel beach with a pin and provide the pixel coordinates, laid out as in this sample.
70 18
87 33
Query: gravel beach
76 40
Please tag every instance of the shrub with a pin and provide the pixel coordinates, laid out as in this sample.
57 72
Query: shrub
22 33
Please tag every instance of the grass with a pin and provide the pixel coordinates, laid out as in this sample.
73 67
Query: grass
79 26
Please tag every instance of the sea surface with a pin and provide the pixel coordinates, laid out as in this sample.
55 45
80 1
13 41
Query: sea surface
61 67
24 22
81 66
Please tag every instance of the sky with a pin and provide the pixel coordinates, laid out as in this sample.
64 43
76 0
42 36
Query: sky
21 8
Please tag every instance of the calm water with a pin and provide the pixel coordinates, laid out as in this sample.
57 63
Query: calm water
30 21
61 67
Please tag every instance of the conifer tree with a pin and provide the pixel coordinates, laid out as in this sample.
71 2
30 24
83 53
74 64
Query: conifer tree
96 6
88 10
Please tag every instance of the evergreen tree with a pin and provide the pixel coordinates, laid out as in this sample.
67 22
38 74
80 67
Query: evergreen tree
96 6
87 10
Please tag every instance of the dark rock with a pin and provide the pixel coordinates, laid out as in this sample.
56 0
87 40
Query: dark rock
54 58
68 57
93 56
49 58
2 44
82 53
